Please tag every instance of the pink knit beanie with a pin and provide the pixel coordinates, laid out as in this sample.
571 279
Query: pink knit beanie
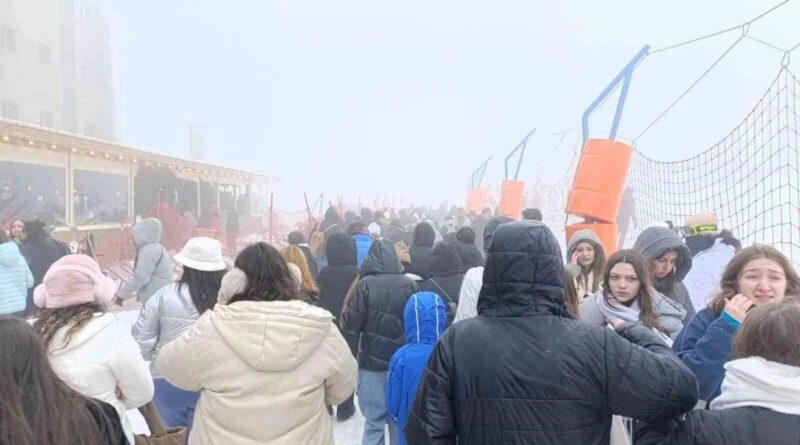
73 280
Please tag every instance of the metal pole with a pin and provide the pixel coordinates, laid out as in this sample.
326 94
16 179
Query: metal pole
271 215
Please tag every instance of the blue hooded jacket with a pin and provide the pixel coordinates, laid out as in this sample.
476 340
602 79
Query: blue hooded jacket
705 345
424 320
363 243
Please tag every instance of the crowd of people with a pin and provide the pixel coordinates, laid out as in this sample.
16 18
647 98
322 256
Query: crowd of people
444 327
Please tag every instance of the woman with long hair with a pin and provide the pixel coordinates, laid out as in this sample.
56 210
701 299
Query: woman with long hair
756 275
669 262
627 295
760 397
309 292
171 311
89 348
587 261
265 363
38 408
571 298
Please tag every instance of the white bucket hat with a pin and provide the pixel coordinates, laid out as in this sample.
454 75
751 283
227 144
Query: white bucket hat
203 254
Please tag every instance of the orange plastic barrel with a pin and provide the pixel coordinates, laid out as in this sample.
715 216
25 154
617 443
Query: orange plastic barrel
597 189
476 197
599 180
512 194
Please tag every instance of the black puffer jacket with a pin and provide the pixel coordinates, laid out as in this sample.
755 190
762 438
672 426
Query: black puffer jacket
747 425
446 276
523 372
336 278
375 310
422 249
41 252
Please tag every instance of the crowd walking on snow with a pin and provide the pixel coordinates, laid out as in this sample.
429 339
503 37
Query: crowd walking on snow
438 326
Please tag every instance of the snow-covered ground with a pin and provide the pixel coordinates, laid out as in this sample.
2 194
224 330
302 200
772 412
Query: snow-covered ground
345 433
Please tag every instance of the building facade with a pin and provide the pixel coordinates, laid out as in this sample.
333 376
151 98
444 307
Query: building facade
56 67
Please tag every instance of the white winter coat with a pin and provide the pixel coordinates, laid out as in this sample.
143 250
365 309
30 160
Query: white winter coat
702 281
99 358
163 318
468 297
265 371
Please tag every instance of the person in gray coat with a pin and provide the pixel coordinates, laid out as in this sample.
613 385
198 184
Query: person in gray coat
153 266
627 295
670 260
171 311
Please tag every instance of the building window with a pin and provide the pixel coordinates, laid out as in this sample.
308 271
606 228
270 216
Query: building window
10 110
88 129
45 54
84 12
46 119
8 39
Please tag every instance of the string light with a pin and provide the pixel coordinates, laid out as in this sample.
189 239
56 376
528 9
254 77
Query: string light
30 142
6 138
53 146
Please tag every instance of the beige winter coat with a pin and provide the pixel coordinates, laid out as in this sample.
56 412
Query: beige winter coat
265 371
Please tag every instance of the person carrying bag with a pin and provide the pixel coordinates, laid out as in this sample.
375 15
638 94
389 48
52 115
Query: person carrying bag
158 434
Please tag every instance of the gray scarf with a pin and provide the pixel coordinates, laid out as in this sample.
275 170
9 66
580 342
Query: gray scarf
611 309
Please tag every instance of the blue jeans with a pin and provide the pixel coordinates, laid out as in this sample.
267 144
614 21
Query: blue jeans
175 405
371 391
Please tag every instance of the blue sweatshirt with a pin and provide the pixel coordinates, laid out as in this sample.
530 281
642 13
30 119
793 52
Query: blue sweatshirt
705 345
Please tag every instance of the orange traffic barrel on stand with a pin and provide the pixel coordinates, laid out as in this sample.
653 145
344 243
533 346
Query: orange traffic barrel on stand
511 197
597 189
476 198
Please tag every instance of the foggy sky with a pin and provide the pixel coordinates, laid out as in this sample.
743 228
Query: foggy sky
358 98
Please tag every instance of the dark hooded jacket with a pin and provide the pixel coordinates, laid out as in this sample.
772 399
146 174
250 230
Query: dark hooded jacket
424 238
469 254
331 225
40 252
446 276
336 278
375 310
654 243
524 372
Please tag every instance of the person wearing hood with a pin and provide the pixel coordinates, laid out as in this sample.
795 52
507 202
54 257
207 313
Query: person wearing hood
90 349
756 275
467 250
374 313
335 281
473 279
479 225
15 278
299 240
760 399
627 294
153 266
170 312
332 223
265 363
523 371
712 249
362 238
587 261
425 321
367 217
394 232
670 261
422 248
40 251
446 276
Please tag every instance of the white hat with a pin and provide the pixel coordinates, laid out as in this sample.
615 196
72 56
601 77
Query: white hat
203 254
